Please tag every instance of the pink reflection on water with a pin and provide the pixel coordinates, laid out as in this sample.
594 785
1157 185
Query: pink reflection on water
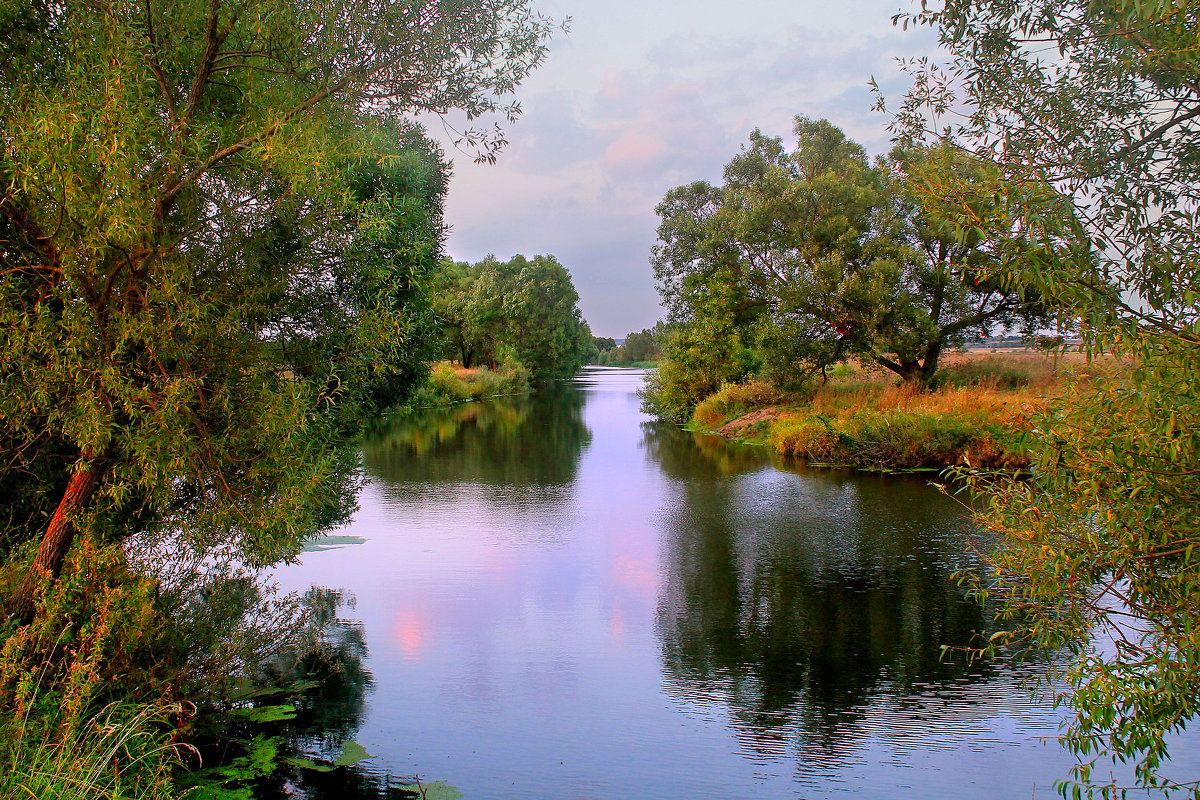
411 630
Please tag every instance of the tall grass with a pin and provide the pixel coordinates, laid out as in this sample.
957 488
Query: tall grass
977 414
449 384
119 754
733 400
901 427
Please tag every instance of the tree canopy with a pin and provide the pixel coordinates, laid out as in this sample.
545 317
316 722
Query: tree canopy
816 255
524 309
214 224
1100 543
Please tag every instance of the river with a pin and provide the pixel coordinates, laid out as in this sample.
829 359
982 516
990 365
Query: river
558 597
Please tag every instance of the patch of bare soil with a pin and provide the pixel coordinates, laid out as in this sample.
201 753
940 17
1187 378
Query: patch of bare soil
737 428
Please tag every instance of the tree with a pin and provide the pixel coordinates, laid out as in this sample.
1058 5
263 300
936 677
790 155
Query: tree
451 290
1100 543
167 175
520 308
831 257
640 345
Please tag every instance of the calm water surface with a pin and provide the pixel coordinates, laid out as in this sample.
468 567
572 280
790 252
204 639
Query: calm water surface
559 598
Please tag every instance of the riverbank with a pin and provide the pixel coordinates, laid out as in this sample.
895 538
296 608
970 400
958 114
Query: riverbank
862 419
449 384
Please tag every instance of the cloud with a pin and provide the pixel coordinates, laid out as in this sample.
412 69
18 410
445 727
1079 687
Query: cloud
650 96
635 147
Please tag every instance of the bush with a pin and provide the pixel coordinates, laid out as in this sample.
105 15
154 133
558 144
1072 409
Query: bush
449 384
809 438
83 688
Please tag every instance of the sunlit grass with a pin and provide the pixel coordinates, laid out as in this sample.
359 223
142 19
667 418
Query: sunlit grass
976 413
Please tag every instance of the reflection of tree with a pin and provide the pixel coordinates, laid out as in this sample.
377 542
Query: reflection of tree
330 712
502 442
799 599
691 455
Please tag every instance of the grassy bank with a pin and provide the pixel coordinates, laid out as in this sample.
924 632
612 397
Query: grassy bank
976 414
449 384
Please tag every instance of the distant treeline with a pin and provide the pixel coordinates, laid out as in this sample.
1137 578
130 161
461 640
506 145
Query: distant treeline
640 347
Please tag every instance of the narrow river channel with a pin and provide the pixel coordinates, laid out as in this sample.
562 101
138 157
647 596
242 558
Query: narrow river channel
559 598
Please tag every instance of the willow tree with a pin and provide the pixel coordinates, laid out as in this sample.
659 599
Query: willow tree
523 309
170 175
823 256
1094 107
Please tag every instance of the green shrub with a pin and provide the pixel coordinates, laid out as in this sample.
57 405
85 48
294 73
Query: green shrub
448 385
811 439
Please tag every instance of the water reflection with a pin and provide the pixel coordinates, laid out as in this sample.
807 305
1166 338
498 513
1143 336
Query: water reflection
525 441
689 455
800 599
329 710
563 599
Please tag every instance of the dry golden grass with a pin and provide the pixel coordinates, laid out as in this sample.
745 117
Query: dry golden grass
867 418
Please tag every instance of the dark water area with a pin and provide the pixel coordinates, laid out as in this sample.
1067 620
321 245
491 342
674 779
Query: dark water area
557 597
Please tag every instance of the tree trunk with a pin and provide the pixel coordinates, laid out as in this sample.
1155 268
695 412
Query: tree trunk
930 367
60 533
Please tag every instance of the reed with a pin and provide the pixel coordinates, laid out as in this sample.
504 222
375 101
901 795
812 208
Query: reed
121 753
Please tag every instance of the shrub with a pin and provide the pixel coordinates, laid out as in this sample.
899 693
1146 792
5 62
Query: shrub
809 438
449 384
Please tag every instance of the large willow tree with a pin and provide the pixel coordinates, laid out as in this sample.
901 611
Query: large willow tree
213 218
1099 100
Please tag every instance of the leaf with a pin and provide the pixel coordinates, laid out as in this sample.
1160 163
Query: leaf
261 714
352 753
438 790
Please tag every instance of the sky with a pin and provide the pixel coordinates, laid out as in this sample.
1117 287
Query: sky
641 96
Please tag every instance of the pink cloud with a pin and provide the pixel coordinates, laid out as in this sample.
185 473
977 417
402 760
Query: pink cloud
634 146
612 84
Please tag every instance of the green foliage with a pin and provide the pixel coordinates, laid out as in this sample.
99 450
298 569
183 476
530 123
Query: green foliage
699 357
216 235
1101 543
449 385
214 230
522 310
818 256
640 348
99 621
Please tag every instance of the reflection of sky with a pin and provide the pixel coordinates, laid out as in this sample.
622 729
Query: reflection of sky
517 655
